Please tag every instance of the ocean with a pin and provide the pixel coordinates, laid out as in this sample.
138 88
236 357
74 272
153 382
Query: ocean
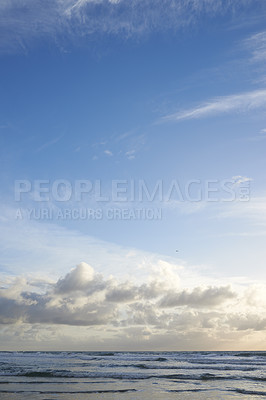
132 375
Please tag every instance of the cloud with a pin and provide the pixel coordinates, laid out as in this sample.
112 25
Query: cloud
246 321
50 143
107 308
83 297
239 180
61 304
130 154
108 152
121 294
126 292
254 48
198 298
257 45
61 21
253 209
81 278
114 312
243 102
29 240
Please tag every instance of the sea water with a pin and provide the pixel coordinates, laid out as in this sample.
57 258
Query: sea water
132 375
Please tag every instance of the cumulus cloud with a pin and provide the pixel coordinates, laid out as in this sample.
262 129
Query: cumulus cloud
115 308
126 292
53 307
84 297
81 278
23 22
199 297
121 294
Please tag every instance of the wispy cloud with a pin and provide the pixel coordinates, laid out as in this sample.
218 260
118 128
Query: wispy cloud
259 137
242 102
130 154
108 153
257 45
239 180
253 210
22 23
49 143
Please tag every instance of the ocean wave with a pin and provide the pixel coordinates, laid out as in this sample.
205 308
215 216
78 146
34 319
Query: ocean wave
251 392
76 374
70 392
251 354
111 374
202 377
257 378
186 390
195 367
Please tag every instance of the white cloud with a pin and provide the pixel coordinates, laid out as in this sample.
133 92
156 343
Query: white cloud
150 310
80 278
257 45
243 102
49 143
253 210
131 154
239 180
163 299
22 23
108 153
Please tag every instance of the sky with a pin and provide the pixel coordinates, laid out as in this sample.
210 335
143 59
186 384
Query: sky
133 186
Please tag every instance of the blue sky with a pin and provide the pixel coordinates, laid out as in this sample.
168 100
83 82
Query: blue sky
116 93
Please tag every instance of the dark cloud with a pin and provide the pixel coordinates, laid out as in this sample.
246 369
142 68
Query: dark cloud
151 290
126 292
121 294
198 297
10 311
247 321
38 309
